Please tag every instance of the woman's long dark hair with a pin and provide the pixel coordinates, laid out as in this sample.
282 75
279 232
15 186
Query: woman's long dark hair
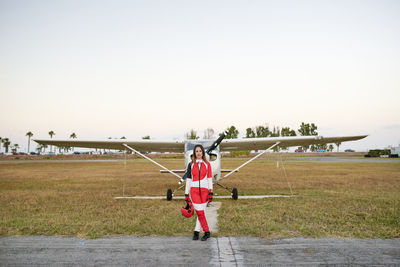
194 153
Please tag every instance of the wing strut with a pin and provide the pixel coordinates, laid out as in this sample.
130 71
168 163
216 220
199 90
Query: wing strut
134 150
226 175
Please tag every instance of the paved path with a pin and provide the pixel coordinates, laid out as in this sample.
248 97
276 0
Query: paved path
221 251
212 216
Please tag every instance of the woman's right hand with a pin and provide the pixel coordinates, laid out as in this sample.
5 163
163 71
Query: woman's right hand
187 199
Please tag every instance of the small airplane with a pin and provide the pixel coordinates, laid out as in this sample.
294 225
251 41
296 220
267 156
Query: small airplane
213 150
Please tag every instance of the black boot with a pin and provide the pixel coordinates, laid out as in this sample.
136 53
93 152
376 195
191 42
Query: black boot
206 235
196 235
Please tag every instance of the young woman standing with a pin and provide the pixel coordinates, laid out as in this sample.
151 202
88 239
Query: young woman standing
200 188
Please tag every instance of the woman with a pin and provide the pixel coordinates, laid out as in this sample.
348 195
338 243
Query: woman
200 187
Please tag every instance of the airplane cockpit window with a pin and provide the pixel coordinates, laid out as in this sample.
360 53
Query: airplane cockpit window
205 143
212 157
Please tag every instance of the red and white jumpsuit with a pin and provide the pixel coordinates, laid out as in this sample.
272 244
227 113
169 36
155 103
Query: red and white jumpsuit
199 185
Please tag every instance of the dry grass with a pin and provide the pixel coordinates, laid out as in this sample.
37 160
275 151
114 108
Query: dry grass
332 199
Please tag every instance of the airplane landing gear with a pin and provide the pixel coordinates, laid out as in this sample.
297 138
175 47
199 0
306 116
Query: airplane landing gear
234 193
169 194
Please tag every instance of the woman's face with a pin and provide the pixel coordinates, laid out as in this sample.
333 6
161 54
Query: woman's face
199 153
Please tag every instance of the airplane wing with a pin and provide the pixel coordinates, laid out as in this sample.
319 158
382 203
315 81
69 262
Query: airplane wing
179 146
142 145
262 143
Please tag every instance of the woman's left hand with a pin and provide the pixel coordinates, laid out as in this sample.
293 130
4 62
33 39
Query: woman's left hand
210 196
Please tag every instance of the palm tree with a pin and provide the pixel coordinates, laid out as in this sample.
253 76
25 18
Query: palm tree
338 144
6 143
109 149
51 133
1 141
73 136
330 148
15 148
29 134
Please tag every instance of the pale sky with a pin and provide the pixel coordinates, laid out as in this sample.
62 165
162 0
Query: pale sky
160 68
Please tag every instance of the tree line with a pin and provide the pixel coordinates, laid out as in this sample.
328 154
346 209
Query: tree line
305 129
7 144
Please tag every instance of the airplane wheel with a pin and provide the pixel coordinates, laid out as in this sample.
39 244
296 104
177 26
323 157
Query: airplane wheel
169 194
235 193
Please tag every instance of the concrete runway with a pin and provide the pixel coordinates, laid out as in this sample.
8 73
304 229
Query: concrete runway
217 251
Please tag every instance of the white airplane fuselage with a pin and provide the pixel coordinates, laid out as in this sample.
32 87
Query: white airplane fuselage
214 158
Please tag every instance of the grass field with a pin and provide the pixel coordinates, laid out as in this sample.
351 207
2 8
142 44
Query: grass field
332 199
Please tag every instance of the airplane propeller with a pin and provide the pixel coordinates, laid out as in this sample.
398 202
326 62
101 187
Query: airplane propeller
216 143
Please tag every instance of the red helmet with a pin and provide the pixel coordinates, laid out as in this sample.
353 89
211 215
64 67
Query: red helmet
187 211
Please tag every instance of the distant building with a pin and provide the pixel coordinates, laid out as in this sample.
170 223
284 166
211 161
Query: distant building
395 150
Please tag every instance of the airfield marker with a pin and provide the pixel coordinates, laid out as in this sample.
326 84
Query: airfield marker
284 172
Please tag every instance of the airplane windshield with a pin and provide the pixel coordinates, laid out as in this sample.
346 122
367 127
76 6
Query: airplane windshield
205 143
